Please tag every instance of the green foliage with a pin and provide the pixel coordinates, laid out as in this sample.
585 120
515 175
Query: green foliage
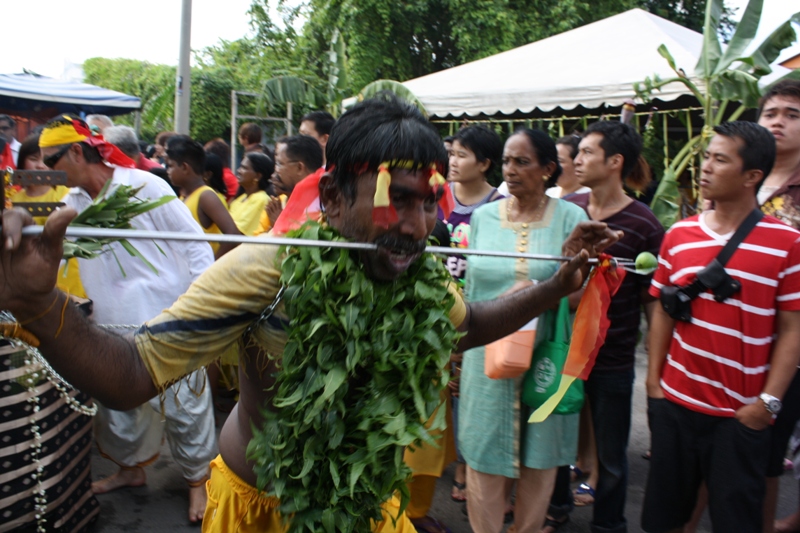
403 40
115 211
153 84
691 14
726 77
360 375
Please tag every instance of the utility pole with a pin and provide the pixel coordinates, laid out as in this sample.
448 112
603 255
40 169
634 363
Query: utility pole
183 82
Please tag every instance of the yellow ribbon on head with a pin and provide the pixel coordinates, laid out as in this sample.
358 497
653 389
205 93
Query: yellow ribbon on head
381 198
58 134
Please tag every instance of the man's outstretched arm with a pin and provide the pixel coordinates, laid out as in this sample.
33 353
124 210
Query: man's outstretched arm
103 364
488 321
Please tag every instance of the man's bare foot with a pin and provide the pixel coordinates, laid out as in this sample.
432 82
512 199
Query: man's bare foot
125 477
197 503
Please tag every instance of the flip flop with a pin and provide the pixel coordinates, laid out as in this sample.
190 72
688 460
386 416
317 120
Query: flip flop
461 487
428 524
575 473
554 524
584 489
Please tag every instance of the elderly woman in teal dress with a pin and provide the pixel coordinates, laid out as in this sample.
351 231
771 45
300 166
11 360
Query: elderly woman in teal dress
497 442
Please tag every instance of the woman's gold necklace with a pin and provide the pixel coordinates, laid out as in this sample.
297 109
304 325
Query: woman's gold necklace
536 216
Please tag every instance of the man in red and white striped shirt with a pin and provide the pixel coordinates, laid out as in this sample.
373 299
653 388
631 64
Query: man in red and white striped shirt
715 383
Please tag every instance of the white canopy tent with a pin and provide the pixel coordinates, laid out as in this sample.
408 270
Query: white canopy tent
591 66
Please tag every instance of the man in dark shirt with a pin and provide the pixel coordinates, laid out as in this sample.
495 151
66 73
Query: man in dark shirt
607 155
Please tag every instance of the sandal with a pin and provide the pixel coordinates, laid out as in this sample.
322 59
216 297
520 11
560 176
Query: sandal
586 493
576 474
458 494
428 524
551 525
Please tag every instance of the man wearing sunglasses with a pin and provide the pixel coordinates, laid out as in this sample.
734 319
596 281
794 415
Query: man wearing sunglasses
132 438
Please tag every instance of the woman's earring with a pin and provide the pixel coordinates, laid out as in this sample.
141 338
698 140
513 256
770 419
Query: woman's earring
545 177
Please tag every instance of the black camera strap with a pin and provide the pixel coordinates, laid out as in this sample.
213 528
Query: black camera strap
744 229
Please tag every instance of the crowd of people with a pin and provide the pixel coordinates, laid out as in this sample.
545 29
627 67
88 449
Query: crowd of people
722 333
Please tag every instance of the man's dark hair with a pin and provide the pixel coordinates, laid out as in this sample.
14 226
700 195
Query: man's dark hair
486 145
546 152
215 178
303 148
448 139
323 121
785 88
571 142
250 132
619 138
90 153
758 148
221 149
378 130
182 149
11 121
440 236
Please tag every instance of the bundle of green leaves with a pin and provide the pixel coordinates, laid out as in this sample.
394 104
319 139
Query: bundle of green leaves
113 210
359 377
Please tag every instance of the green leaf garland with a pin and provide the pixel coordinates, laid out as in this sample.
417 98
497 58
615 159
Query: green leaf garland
360 376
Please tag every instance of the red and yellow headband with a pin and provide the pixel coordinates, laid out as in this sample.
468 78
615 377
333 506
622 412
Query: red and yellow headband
74 130
383 213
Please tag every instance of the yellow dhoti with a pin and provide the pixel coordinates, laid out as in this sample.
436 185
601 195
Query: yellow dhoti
428 462
235 506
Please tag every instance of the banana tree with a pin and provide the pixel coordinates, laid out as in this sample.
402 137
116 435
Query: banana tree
282 92
337 73
722 77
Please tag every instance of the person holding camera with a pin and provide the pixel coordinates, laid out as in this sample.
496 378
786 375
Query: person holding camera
723 342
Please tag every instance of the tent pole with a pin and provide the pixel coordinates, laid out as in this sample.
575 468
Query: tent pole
137 122
234 120
664 118
183 82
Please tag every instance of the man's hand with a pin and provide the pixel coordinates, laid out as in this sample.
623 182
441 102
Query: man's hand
586 240
754 415
274 209
29 265
654 389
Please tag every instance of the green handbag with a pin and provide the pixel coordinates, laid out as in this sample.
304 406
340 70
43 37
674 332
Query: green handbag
542 379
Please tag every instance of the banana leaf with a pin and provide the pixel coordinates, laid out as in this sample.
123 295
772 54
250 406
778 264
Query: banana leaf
711 51
666 204
394 87
745 32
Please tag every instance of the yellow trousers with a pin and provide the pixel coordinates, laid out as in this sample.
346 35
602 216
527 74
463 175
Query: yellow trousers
235 506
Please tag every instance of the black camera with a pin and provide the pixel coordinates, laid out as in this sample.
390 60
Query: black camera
677 301
720 282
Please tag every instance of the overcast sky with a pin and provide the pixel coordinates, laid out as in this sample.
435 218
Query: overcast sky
47 36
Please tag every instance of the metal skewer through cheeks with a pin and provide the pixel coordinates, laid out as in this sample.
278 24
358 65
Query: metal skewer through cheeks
103 233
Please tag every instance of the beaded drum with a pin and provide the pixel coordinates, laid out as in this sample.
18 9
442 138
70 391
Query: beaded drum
45 447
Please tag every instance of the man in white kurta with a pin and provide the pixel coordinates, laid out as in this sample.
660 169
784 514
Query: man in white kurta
132 439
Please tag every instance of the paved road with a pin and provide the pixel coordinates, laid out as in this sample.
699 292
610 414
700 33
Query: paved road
161 505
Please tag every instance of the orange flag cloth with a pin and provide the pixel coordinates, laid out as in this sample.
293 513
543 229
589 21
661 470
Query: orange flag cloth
588 331
303 205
